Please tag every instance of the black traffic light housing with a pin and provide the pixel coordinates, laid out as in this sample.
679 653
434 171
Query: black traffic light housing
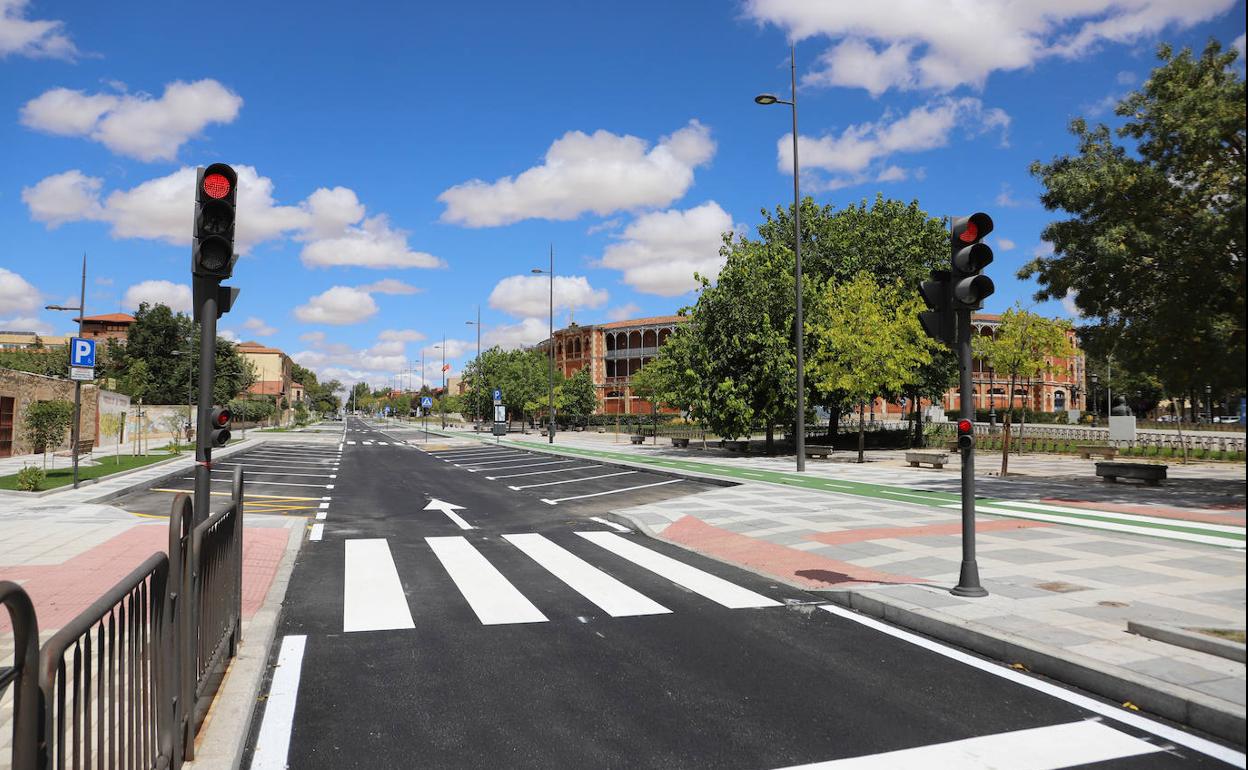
968 256
966 434
212 250
938 322
219 426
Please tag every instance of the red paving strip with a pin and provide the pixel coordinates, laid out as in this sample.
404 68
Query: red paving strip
1157 511
789 564
61 591
931 530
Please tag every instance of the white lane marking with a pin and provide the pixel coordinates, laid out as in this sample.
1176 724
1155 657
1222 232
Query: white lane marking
368 443
1165 534
704 583
321 515
615 598
339 447
1127 517
317 531
540 473
283 473
558 500
573 481
323 506
459 521
271 483
1037 748
496 462
352 443
475 458
526 465
382 443
373 597
611 524
492 597
295 466
1165 732
273 742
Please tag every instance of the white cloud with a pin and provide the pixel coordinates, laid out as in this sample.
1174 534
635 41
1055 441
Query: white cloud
859 146
176 295
892 174
401 335
228 334
26 324
660 251
1006 198
600 172
330 222
258 327
1068 304
1042 249
390 286
519 335
313 338
934 44
35 38
528 296
1005 244
1238 45
135 125
624 312
339 306
454 349
17 295
1126 77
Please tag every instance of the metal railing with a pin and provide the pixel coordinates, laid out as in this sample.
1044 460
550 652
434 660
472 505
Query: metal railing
126 683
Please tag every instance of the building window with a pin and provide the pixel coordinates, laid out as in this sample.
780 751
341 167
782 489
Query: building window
1059 400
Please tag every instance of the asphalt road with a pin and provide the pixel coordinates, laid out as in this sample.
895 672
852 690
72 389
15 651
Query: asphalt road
504 630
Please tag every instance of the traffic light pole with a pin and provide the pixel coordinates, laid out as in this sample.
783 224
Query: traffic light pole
968 579
207 376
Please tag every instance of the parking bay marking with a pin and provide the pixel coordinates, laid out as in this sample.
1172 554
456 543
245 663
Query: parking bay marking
558 500
539 473
572 481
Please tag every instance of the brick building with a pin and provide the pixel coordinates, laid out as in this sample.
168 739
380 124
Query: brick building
273 370
112 326
18 390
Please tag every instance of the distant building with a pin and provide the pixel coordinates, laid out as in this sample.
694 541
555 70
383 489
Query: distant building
24 340
110 326
273 371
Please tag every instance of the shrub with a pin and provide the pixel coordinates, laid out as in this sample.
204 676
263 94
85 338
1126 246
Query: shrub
29 478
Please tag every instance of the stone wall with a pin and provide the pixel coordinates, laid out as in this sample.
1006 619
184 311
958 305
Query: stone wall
26 388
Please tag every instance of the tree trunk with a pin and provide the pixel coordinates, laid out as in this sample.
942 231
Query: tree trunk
834 423
1005 447
771 438
862 432
1182 443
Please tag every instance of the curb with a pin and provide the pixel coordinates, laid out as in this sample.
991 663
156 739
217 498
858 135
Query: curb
85 482
223 739
116 493
1181 637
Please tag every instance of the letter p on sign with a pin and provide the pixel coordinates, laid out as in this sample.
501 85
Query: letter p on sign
82 352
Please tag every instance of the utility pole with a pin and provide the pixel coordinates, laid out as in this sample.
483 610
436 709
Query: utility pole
77 431
443 399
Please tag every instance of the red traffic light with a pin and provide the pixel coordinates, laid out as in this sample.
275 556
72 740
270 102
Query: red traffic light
969 235
216 186
965 426
221 418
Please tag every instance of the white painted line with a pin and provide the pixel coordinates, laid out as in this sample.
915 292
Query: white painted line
472 459
703 583
1165 732
1038 748
615 598
479 465
323 506
492 597
273 742
352 443
1138 518
459 521
372 594
526 465
541 473
329 486
317 531
612 491
270 483
368 443
321 515
611 524
1165 534
382 443
294 466
573 481
282 473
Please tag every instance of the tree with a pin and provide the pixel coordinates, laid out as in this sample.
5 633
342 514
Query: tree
45 424
578 396
868 342
48 361
1153 252
137 384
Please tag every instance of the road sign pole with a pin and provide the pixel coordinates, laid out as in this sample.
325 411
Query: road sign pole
207 375
77 430
968 579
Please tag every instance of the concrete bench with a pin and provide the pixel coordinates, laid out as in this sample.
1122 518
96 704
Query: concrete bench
818 450
636 439
683 443
936 459
1150 473
1104 450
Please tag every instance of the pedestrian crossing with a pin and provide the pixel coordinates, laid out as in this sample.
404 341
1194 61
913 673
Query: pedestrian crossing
489 577
354 442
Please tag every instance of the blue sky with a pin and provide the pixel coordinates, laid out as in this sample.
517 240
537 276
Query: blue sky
401 165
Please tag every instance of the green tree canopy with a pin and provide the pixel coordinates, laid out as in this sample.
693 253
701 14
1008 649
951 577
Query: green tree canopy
578 396
46 423
1153 251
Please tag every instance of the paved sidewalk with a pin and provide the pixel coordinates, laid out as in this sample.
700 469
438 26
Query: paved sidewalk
1068 560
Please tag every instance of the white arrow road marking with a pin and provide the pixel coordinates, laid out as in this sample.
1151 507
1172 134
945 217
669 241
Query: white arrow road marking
449 509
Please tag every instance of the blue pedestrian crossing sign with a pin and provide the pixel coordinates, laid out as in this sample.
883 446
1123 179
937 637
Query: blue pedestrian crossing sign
426 402
81 352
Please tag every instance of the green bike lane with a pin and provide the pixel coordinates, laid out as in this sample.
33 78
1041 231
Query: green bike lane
1222 535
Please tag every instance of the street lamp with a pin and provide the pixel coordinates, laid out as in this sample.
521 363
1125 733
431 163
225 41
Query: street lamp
1209 402
550 430
769 99
477 323
1093 380
76 433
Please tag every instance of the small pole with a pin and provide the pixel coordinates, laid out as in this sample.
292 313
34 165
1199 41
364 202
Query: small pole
77 429
968 580
550 431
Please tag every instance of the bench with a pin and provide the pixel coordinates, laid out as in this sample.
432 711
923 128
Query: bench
83 447
683 443
818 450
936 459
1104 450
1152 474
737 446
636 439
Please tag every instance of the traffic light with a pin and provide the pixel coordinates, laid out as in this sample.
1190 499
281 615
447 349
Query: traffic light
970 255
212 253
966 434
219 426
938 322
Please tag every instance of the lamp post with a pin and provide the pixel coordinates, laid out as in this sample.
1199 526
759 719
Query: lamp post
76 432
1093 380
442 410
992 397
477 323
767 99
550 429
1209 402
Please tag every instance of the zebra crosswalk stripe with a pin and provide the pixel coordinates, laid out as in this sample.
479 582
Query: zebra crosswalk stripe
492 597
615 598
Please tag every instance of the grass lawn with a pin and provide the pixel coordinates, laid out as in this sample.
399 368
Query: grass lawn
61 476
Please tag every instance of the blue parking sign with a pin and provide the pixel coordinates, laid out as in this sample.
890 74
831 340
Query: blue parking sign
81 352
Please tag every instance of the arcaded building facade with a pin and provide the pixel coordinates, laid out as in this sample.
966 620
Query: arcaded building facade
614 352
